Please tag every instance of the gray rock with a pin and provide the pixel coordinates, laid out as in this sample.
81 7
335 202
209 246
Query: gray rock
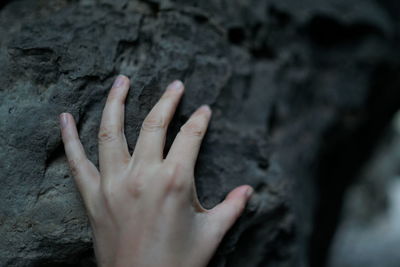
294 88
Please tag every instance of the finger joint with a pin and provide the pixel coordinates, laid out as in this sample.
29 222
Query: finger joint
107 134
153 124
193 129
174 181
74 166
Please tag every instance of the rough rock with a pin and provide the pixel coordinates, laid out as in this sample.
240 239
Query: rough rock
300 92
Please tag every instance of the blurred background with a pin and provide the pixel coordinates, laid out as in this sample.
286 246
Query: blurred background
368 233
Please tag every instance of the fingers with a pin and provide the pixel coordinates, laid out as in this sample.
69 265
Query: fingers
150 144
83 170
228 211
186 145
113 148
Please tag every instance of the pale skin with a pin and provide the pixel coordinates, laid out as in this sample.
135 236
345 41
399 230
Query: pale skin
143 208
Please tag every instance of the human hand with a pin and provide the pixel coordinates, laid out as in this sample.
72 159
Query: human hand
143 209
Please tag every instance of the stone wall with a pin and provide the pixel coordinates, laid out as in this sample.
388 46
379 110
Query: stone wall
300 90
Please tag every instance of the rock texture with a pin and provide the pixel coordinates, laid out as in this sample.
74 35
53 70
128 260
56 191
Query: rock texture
300 92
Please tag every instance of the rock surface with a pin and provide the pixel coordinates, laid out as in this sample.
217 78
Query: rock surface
300 92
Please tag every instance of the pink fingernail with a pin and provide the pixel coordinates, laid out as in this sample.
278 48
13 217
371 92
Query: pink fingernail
205 108
63 120
119 81
176 86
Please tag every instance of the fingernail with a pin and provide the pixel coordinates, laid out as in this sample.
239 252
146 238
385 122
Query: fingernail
205 108
176 86
119 81
63 120
249 192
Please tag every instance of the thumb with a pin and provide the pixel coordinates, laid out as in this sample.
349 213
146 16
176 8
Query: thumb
228 211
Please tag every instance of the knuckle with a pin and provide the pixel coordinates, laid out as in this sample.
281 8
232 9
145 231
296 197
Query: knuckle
107 134
174 181
126 160
192 128
135 188
170 172
108 190
135 185
153 123
74 166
